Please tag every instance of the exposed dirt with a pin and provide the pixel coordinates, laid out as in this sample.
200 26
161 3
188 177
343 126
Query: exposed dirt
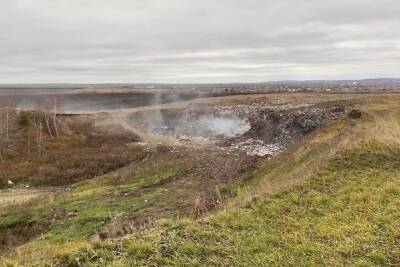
203 184
19 233
255 128
19 196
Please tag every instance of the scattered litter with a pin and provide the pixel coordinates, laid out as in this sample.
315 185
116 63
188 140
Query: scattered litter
258 148
259 129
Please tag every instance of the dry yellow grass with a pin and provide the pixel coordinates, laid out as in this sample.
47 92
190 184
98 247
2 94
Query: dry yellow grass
380 121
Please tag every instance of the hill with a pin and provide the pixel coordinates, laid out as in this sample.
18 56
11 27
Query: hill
330 199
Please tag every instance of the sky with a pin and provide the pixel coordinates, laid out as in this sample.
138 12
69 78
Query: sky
185 41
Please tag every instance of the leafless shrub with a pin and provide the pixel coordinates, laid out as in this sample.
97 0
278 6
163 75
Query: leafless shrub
218 195
199 206
80 152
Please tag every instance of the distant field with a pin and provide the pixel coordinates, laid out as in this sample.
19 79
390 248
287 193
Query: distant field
81 101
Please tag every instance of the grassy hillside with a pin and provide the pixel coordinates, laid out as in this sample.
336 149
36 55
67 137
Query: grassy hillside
346 214
329 200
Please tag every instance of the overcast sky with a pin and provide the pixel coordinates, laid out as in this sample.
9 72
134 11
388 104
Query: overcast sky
97 41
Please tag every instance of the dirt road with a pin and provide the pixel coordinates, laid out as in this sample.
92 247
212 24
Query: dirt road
17 196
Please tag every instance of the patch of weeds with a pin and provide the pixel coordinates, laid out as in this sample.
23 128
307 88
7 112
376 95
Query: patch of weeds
150 176
229 190
19 227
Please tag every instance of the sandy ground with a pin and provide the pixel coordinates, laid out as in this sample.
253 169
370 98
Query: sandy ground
18 196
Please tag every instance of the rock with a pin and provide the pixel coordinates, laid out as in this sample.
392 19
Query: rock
355 114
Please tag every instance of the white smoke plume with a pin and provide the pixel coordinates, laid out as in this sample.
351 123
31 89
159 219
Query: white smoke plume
228 126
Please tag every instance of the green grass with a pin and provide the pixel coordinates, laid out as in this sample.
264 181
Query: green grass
90 205
347 214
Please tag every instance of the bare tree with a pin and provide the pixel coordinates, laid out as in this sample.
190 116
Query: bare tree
49 108
38 131
29 145
7 124
46 116
40 137
55 102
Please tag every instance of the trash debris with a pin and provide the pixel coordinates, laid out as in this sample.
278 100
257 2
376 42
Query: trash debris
258 129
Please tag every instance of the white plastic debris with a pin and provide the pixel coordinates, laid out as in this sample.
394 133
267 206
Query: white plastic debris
258 148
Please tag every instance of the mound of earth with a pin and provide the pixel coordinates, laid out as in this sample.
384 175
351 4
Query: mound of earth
257 129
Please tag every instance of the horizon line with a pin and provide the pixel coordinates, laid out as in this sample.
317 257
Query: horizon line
198 83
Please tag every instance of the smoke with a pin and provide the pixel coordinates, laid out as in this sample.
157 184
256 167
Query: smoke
156 117
223 125
90 100
188 124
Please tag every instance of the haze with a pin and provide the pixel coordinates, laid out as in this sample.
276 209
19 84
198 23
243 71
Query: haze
97 41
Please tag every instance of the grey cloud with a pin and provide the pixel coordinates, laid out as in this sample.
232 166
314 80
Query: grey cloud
197 41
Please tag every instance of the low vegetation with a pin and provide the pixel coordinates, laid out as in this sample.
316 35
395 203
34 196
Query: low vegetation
161 183
331 199
32 156
347 214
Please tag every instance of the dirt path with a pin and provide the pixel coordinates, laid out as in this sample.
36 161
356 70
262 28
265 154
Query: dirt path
17 196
